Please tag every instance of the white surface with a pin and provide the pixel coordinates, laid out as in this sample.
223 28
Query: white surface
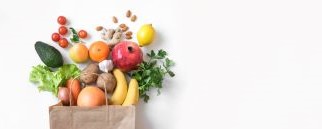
240 64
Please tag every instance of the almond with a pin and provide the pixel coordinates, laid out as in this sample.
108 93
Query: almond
99 28
133 18
122 25
129 33
128 13
124 28
128 37
114 19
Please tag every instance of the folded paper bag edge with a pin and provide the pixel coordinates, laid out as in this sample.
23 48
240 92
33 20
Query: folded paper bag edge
59 106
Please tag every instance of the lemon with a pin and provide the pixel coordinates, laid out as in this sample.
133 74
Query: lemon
145 35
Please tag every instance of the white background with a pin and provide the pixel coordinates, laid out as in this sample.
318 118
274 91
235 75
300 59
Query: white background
240 64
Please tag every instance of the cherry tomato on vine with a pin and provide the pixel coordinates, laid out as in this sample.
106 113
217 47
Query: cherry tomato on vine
62 30
82 34
61 20
55 37
63 43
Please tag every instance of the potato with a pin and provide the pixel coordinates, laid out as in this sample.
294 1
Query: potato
90 73
108 79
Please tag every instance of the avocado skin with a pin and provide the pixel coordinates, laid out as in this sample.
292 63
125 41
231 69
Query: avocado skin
49 55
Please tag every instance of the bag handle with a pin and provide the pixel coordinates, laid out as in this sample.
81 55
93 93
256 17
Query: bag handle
70 100
70 95
106 103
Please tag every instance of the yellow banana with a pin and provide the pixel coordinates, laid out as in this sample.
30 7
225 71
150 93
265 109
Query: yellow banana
132 97
120 91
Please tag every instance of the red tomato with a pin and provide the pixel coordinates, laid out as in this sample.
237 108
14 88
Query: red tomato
55 37
61 20
82 34
62 30
63 43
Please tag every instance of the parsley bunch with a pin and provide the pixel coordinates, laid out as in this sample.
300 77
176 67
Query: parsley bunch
150 73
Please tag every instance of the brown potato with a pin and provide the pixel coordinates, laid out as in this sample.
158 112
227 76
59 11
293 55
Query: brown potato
108 79
89 74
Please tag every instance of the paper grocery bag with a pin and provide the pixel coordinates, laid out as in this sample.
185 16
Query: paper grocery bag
103 117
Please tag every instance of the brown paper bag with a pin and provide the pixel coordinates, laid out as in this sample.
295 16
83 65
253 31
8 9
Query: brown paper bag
103 117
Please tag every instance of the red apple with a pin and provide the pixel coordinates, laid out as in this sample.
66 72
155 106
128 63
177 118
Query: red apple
126 56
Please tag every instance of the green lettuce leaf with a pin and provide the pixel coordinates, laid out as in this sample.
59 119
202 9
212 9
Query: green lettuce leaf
49 80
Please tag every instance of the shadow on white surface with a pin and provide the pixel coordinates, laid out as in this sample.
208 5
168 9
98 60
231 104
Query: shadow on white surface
157 43
142 120
151 117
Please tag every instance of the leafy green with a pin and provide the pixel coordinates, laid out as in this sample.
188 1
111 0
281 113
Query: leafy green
49 80
150 74
74 37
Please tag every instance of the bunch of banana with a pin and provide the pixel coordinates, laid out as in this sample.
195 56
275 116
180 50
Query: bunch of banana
124 95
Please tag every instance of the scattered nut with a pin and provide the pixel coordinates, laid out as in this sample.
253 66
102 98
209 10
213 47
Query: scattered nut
128 13
128 37
133 18
114 19
122 25
124 29
129 33
99 28
114 36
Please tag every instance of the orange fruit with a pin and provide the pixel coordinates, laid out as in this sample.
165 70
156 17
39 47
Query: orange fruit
91 96
78 53
99 51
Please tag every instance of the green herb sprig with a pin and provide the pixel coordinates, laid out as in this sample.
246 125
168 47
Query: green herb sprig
150 73
75 37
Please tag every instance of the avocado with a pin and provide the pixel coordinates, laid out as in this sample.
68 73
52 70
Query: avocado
49 55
